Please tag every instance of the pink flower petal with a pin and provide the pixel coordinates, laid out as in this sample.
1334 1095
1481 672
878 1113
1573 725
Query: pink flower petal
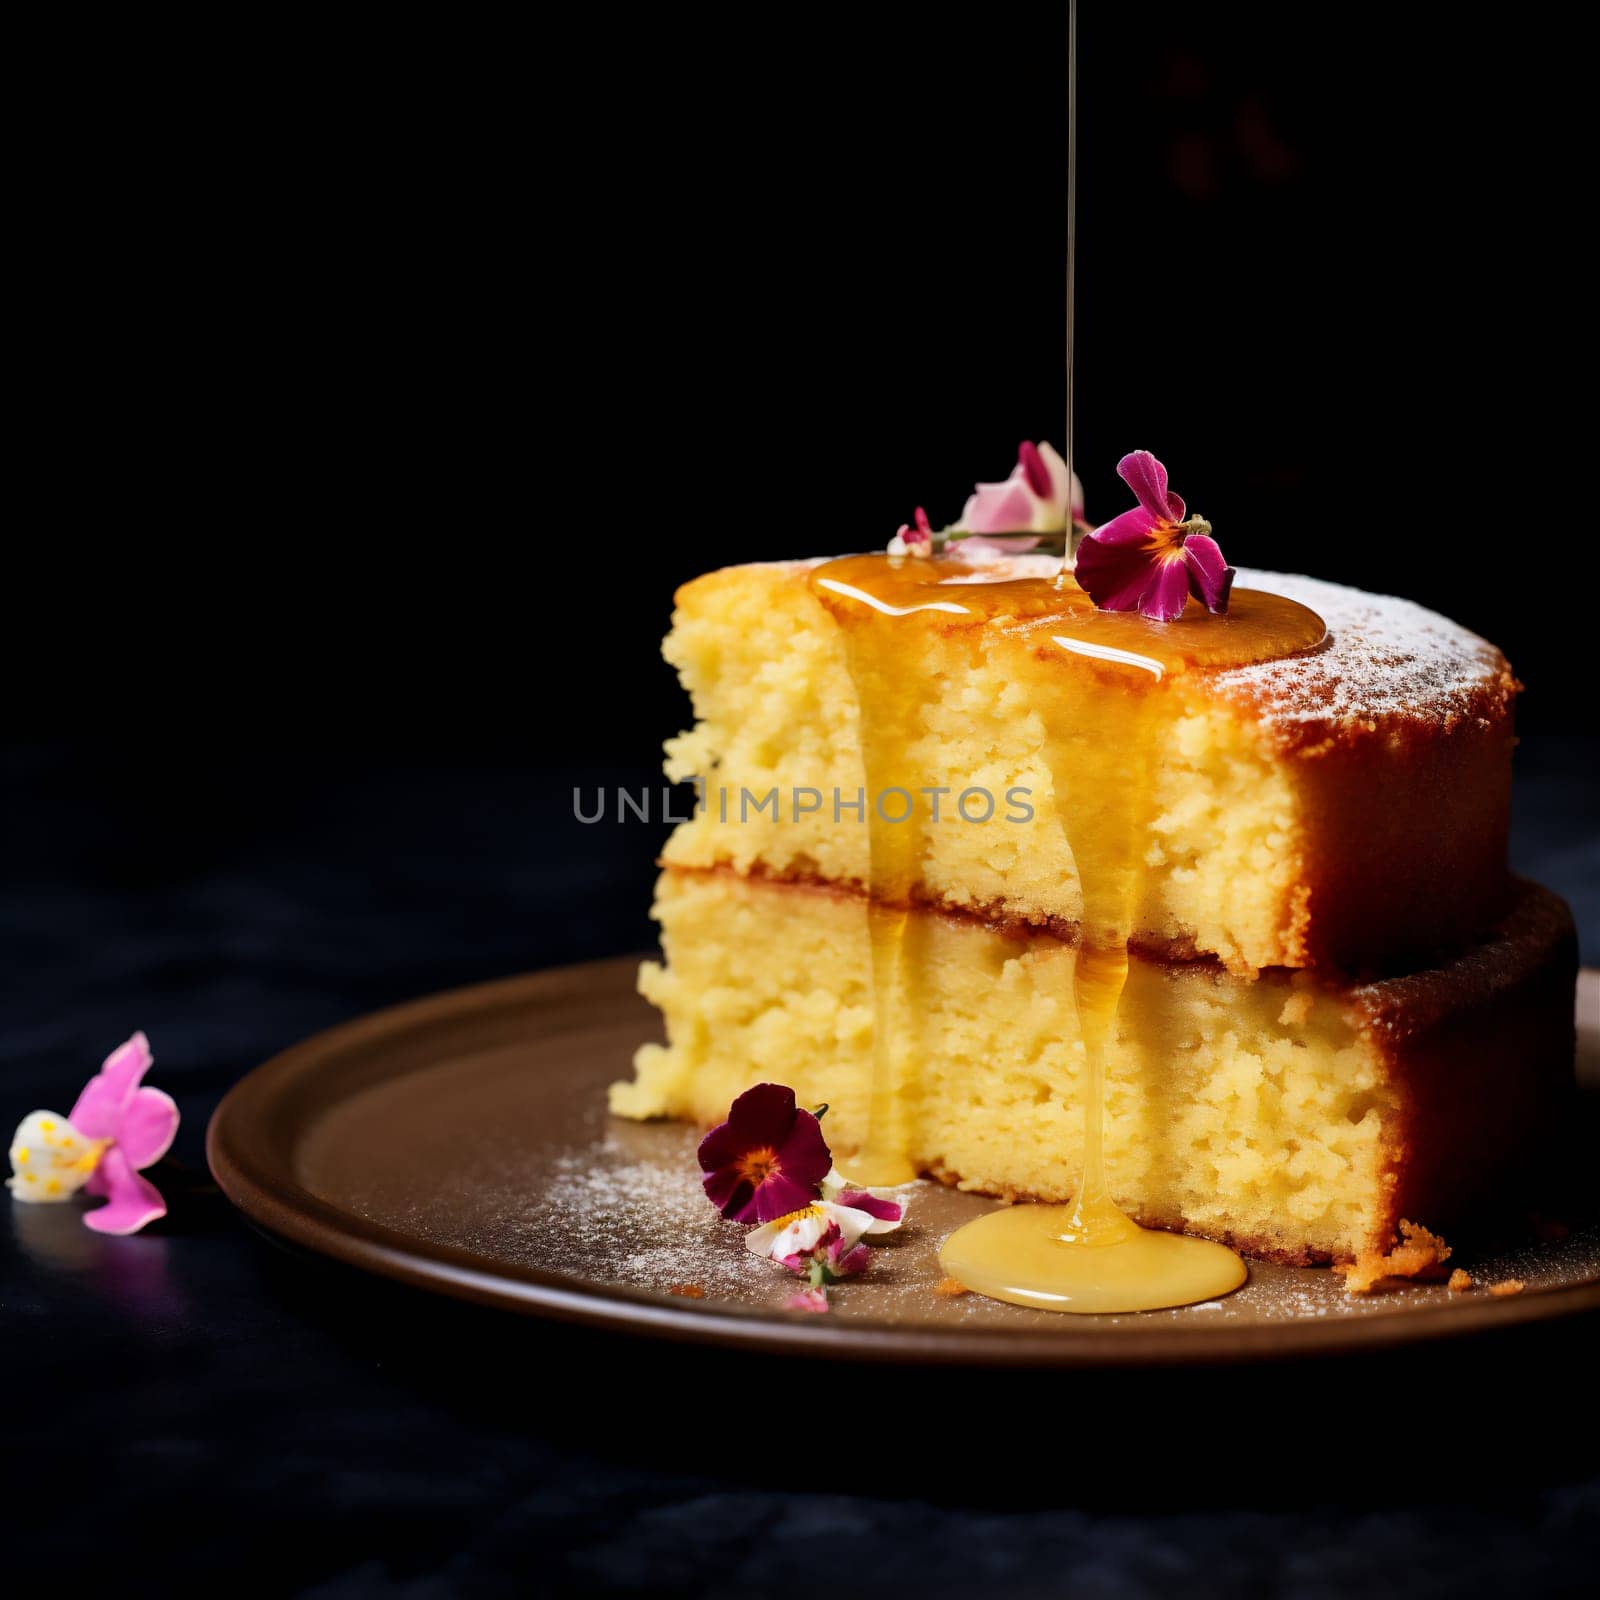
132 1201
1148 479
851 1262
1128 527
1115 573
1210 576
780 1195
99 1108
807 1300
1034 471
860 1200
149 1125
999 508
1065 490
1168 593
1126 576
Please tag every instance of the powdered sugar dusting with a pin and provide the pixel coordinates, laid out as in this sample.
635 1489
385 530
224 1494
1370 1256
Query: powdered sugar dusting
1385 658
645 1222
626 1210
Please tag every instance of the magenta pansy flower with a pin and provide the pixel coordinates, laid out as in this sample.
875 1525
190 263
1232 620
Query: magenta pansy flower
116 1128
767 1160
1040 497
1152 558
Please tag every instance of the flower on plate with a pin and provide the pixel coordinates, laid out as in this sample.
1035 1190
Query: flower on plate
1040 497
879 1204
1152 558
116 1128
769 1164
822 1241
767 1159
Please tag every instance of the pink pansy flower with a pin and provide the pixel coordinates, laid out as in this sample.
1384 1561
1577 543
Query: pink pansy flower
767 1159
807 1300
913 538
1152 558
1040 497
116 1129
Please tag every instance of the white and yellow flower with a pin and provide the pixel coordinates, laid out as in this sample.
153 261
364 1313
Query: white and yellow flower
50 1159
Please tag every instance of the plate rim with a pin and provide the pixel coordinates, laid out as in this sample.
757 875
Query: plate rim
272 1199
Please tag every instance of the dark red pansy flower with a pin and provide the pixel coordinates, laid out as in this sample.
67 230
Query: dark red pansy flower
768 1159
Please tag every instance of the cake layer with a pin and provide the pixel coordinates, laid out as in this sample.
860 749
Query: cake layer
1289 1116
1344 809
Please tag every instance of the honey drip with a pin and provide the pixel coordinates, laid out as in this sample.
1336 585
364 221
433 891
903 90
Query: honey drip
888 728
1102 686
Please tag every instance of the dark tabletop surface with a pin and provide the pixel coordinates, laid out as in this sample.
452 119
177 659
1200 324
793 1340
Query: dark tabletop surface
196 1407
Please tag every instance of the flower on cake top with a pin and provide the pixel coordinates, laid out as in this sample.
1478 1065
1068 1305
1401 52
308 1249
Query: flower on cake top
767 1159
914 538
1034 507
1040 497
1152 558
116 1128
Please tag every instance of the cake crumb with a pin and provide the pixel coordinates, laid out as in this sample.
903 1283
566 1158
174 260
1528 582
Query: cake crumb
1460 1280
689 1291
949 1288
1296 1010
1506 1286
1417 1252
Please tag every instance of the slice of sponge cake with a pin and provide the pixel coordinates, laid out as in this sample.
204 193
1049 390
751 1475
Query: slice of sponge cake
1292 1118
1340 1010
1345 809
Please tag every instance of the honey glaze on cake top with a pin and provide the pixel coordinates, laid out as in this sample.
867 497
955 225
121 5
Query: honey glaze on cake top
1381 659
950 595
1100 682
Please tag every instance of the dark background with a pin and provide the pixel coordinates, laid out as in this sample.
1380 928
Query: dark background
375 389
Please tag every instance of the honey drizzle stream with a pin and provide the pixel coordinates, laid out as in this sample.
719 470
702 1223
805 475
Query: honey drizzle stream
888 726
1099 688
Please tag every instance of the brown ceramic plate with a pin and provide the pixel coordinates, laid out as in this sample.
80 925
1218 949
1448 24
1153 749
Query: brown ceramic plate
461 1144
